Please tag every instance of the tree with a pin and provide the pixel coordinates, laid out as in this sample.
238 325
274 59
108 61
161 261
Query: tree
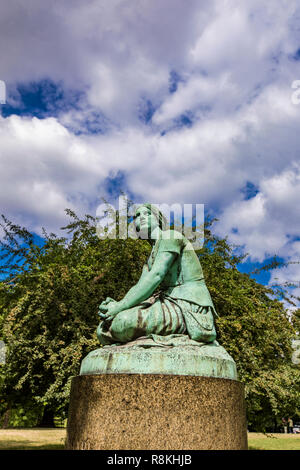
50 306
49 302
255 329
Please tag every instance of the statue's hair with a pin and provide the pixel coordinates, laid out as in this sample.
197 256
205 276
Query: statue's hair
162 221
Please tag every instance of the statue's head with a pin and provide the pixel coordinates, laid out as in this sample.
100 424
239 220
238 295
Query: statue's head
147 218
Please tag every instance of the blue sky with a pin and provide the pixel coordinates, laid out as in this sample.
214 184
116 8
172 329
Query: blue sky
171 102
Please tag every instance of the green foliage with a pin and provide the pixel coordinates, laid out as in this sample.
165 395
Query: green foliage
255 329
22 416
49 301
50 306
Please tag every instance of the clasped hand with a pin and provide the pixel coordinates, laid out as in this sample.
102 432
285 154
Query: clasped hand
108 309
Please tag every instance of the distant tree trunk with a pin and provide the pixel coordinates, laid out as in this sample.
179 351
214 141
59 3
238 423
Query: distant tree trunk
47 420
6 418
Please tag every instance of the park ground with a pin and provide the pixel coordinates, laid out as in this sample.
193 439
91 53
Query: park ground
53 439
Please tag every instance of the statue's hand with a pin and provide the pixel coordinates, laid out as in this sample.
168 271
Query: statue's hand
108 312
106 301
103 307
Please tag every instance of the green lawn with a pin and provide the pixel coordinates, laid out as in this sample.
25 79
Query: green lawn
32 439
258 441
52 439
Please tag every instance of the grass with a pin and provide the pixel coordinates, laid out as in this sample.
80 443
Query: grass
54 439
32 439
259 441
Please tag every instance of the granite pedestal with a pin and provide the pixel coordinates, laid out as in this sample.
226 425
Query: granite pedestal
139 411
197 405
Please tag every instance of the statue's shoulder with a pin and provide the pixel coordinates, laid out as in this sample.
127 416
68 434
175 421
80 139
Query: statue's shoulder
171 240
172 235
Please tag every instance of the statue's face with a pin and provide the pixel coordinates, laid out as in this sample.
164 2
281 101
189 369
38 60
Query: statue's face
145 221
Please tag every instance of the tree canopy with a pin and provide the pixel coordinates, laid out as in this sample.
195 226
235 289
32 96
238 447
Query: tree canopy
49 296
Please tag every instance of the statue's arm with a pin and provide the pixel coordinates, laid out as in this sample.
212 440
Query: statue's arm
145 287
149 281
144 272
109 300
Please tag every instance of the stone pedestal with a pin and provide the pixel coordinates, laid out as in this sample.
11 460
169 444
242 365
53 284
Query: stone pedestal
156 412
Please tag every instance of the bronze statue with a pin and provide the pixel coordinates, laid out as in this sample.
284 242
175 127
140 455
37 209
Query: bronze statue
170 298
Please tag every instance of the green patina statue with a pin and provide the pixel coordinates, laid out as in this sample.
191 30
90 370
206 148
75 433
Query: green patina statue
165 324
182 305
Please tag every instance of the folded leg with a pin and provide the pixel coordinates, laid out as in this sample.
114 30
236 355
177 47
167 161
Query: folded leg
154 316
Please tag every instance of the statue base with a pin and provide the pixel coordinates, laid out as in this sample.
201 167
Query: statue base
156 412
171 355
157 392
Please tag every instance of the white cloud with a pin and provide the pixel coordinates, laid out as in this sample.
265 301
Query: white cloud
45 169
268 222
198 91
234 60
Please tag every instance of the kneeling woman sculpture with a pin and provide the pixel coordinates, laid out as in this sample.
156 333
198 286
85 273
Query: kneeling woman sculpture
181 306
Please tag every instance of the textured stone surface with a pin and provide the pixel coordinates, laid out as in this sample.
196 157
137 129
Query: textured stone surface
156 412
208 360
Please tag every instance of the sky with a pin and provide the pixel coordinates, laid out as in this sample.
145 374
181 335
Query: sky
170 101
